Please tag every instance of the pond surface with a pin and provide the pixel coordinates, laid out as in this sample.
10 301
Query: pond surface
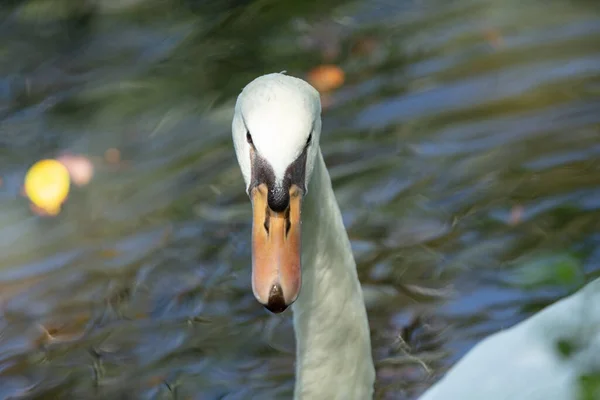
464 148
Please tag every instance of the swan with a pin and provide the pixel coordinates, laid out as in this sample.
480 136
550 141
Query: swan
301 254
548 356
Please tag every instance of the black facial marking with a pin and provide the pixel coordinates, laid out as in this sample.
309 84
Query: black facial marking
261 171
278 197
295 173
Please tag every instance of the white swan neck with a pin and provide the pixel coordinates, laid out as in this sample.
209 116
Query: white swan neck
333 343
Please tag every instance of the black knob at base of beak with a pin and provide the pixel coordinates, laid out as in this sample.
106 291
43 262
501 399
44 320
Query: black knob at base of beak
278 199
276 303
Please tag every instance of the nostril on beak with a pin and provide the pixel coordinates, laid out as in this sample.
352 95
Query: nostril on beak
276 303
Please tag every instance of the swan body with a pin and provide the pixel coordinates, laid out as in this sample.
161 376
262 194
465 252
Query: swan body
276 130
541 358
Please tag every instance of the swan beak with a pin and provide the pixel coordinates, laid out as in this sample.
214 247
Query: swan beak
276 275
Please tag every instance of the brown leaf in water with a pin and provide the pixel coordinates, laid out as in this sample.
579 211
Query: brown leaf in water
326 78
516 215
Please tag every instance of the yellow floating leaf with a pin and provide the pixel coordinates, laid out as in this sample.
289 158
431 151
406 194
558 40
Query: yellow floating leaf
47 185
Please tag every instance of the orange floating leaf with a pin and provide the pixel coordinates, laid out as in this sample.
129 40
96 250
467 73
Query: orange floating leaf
326 78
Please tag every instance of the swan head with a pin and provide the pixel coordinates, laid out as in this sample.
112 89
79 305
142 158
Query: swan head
276 129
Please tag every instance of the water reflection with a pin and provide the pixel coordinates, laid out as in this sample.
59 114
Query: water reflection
463 149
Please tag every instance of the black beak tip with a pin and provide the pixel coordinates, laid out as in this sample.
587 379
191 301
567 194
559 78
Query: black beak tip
276 303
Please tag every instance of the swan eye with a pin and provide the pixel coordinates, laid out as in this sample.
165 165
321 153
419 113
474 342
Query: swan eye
309 139
248 137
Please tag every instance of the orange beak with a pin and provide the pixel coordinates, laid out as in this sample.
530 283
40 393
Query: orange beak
276 275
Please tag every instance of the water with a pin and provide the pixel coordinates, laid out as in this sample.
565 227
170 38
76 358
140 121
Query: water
463 148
